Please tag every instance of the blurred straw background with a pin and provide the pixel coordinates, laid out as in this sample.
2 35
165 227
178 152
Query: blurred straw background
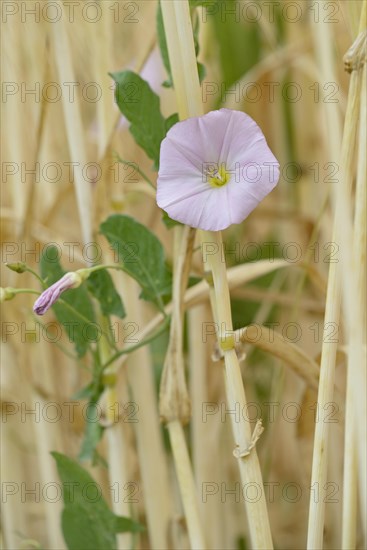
288 73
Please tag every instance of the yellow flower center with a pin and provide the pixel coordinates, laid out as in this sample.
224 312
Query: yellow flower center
218 177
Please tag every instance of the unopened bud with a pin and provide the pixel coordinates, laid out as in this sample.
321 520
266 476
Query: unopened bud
73 279
18 267
6 294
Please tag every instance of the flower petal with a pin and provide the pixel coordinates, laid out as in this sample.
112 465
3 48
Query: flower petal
209 212
224 136
200 137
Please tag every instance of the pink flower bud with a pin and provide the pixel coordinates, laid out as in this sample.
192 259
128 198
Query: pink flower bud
47 299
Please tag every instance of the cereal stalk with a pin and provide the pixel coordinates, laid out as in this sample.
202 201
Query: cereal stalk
117 456
355 420
185 77
245 442
152 459
340 274
74 126
174 403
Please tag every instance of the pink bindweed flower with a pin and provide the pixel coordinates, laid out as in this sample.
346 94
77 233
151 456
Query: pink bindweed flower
47 299
214 170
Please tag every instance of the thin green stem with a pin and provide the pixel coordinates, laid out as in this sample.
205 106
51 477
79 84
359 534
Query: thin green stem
36 275
159 304
144 342
103 266
63 348
80 315
25 291
75 311
137 168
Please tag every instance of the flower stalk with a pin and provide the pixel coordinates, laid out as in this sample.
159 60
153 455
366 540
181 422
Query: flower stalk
177 21
245 442
8 293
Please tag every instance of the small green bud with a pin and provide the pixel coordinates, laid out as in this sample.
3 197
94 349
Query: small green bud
18 267
6 294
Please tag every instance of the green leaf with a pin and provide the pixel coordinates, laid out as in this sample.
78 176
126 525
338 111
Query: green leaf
141 255
162 41
100 285
163 47
193 281
197 3
74 318
171 121
87 522
201 71
127 525
201 67
92 436
98 460
84 393
141 106
233 39
169 222
80 533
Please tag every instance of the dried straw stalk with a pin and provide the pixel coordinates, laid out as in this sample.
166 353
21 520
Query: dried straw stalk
339 274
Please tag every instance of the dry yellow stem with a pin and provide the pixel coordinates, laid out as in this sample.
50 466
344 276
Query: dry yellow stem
174 400
339 274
